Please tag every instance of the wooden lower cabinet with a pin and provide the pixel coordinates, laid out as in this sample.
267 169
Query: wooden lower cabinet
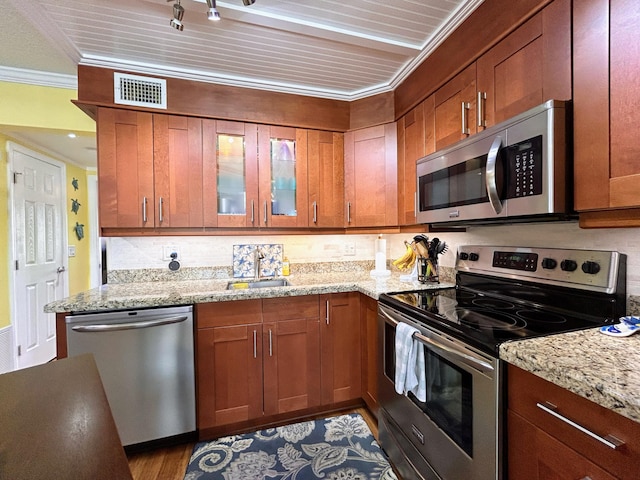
371 358
340 343
264 360
541 446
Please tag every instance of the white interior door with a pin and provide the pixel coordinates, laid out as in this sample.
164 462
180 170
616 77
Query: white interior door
39 240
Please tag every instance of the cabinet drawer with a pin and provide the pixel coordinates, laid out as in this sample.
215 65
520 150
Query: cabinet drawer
224 314
536 400
290 308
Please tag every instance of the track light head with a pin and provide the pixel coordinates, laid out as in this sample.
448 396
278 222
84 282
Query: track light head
212 12
248 2
178 13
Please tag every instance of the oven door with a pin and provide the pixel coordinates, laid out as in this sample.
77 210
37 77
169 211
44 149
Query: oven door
456 431
462 183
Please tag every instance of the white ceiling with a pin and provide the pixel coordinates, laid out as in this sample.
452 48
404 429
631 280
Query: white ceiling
341 49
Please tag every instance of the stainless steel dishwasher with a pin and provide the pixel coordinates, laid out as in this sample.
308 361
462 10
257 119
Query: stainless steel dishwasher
146 363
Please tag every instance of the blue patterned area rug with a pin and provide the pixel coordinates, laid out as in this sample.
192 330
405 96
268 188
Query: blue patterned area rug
336 448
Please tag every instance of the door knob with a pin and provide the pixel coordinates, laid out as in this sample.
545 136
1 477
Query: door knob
61 269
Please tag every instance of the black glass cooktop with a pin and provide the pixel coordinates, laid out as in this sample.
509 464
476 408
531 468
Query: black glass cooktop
487 312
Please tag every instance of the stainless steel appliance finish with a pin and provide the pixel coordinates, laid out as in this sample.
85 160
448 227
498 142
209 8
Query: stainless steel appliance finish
518 169
146 363
502 294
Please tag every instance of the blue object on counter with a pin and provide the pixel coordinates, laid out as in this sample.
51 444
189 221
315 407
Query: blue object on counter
626 327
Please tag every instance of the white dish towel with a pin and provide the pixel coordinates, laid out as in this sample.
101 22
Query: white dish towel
410 368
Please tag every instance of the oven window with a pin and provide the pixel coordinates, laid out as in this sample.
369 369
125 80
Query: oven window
449 402
461 184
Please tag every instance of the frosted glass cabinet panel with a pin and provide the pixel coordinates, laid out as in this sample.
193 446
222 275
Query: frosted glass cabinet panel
231 178
283 177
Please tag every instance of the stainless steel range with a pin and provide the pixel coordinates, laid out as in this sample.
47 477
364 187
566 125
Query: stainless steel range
454 431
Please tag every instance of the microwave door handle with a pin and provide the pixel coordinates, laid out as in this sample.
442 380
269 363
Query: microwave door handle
490 178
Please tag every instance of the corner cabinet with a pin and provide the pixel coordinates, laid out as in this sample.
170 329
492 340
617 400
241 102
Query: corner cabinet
371 176
606 61
544 445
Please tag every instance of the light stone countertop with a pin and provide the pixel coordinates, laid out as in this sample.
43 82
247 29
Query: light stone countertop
185 292
601 368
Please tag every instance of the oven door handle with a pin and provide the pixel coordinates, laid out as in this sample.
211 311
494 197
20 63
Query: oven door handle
490 177
468 360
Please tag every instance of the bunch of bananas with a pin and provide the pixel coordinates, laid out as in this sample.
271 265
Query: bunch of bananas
406 261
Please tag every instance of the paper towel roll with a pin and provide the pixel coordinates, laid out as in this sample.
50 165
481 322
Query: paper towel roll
381 261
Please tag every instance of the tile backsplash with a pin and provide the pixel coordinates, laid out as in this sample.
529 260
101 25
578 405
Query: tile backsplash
216 251
244 260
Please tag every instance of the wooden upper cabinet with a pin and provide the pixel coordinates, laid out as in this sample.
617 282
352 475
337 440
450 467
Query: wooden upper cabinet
371 176
528 67
125 168
455 108
416 138
177 166
325 156
282 170
230 173
606 60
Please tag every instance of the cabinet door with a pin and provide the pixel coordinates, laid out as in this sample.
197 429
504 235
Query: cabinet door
283 190
229 374
371 355
455 108
416 138
291 346
177 169
606 60
230 174
326 178
528 67
341 350
371 176
125 168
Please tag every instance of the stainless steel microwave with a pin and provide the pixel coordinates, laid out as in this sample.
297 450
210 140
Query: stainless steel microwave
513 171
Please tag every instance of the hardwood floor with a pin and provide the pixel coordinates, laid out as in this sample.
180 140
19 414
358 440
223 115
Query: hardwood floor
171 463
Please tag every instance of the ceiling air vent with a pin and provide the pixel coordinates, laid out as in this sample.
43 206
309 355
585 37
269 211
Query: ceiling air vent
139 91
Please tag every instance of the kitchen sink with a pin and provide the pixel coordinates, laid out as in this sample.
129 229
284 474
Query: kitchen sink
265 283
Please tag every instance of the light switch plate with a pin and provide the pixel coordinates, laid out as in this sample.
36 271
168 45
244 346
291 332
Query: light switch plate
72 250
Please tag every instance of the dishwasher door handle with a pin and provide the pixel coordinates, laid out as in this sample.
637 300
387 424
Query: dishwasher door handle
112 327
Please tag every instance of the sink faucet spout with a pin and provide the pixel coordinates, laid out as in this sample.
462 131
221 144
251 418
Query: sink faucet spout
257 257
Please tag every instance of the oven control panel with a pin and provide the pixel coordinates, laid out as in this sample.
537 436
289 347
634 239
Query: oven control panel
588 269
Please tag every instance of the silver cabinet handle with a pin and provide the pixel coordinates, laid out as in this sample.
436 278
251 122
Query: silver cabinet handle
255 344
160 204
482 99
112 327
610 441
326 318
465 124
490 177
348 212
144 209
265 212
253 217
315 212
270 343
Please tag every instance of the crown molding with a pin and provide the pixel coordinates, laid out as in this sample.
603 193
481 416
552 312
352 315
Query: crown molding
37 77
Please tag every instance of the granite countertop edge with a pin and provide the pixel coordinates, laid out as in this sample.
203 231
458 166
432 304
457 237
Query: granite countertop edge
600 368
187 292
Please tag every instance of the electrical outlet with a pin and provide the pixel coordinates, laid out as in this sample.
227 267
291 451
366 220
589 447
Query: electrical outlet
349 248
167 250
72 251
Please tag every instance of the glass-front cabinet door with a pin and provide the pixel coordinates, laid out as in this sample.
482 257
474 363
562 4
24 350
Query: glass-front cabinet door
231 173
283 177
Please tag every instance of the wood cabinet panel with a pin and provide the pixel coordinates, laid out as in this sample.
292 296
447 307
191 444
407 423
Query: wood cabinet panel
178 174
125 168
340 347
326 178
455 108
371 355
526 391
371 176
222 314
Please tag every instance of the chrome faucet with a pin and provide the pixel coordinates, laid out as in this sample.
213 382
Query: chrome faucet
257 257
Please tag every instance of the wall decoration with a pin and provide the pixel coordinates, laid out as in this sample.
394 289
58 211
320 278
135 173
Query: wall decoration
74 183
75 205
79 229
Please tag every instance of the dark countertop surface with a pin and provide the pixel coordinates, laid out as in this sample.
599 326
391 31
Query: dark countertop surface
55 423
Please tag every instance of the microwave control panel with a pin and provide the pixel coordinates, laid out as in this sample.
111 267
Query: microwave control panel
524 167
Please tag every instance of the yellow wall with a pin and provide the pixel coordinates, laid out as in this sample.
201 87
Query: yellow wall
29 106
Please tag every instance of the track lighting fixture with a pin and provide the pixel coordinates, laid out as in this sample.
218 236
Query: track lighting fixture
178 13
212 12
